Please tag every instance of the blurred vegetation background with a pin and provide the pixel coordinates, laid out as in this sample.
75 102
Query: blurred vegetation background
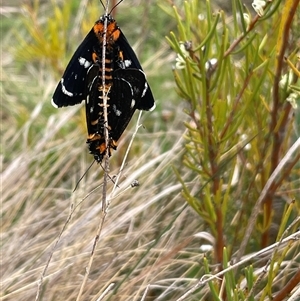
217 161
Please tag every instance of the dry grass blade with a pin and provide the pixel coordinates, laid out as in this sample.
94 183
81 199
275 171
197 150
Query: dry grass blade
289 156
293 238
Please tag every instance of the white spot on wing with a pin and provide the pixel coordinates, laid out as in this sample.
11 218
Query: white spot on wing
152 108
145 89
117 112
64 90
127 63
132 103
54 104
83 62
146 84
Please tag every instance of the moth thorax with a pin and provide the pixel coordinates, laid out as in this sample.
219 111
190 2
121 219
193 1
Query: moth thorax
112 32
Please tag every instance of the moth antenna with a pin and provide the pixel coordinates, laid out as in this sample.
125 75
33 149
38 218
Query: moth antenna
115 6
83 175
102 4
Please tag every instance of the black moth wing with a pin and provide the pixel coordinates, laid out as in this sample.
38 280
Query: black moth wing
72 86
128 87
127 95
147 102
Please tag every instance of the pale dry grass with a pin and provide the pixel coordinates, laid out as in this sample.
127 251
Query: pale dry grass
141 237
147 238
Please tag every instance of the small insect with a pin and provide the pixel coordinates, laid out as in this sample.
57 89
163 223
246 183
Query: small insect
126 86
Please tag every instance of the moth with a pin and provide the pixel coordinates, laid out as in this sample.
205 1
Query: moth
126 85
